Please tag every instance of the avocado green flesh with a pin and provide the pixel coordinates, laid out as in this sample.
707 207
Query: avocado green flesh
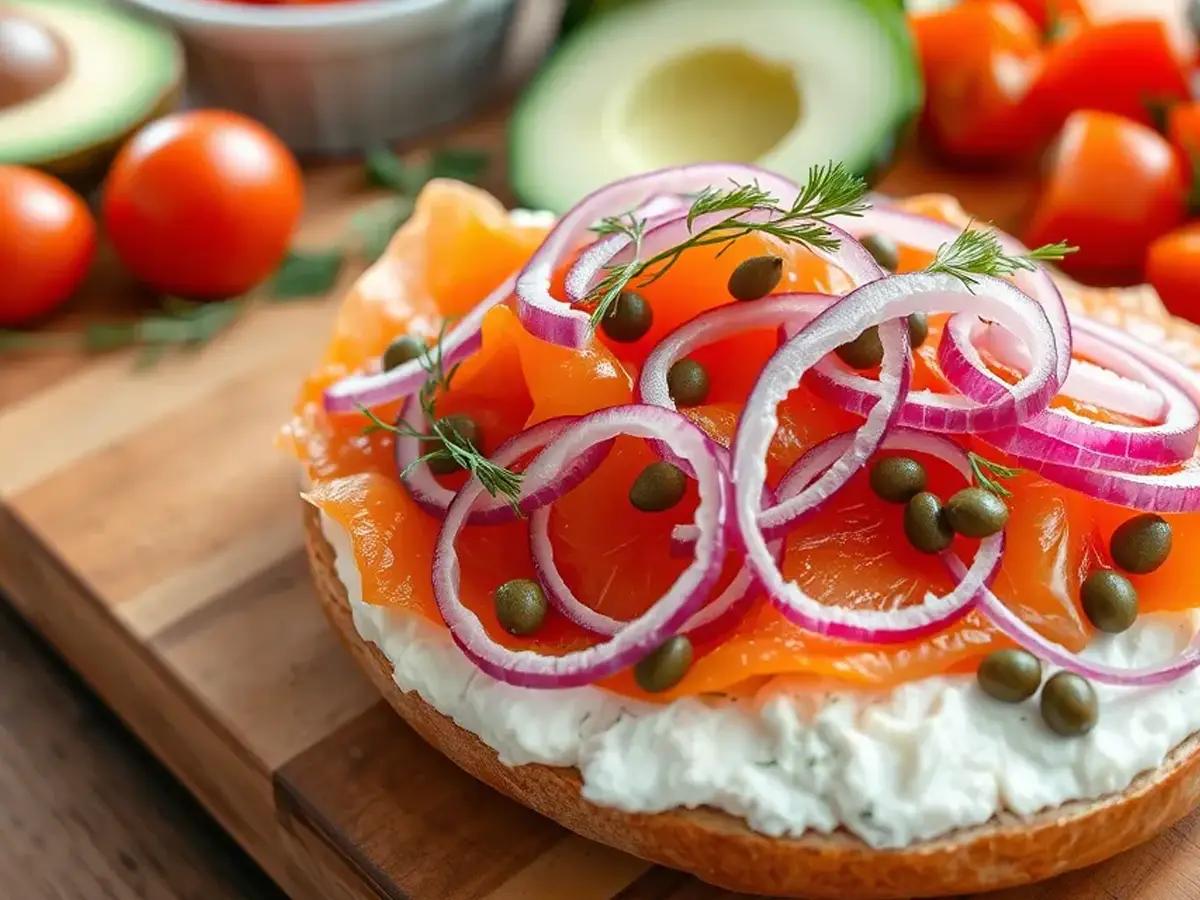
647 84
122 70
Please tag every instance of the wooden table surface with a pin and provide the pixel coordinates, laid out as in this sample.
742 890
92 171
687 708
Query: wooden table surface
85 811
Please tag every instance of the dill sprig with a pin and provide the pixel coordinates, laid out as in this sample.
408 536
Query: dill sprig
449 443
987 472
830 191
978 252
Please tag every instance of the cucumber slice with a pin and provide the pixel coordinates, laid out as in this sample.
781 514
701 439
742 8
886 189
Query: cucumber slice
784 83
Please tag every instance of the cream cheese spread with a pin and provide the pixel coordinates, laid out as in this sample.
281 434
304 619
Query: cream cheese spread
893 768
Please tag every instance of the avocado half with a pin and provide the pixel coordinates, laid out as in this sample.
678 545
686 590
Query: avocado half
646 84
76 78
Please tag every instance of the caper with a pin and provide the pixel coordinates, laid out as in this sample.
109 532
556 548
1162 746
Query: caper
897 479
1141 544
403 349
1010 676
1109 600
658 487
1069 704
755 277
864 352
925 524
664 667
629 319
976 513
883 248
687 382
467 429
520 606
918 329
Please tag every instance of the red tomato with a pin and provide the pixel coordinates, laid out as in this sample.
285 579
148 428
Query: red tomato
1173 267
203 204
978 60
47 243
1114 187
1118 67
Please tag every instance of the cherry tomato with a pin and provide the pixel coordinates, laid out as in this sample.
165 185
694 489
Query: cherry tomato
203 204
47 243
1119 67
1173 267
978 61
1114 186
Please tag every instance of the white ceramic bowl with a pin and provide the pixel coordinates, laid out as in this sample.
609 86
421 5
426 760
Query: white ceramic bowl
340 77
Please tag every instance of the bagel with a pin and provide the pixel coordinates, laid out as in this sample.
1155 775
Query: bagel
718 848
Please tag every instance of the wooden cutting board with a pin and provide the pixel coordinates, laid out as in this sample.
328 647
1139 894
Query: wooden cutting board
150 530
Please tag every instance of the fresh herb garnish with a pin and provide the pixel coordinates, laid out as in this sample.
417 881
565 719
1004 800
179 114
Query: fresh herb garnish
179 324
978 252
987 472
452 444
307 273
831 191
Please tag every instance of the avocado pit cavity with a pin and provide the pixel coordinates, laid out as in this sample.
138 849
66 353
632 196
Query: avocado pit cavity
33 59
713 103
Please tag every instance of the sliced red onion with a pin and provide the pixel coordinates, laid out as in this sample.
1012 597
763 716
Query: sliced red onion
654 212
1175 491
987 408
424 488
715 324
882 626
1013 627
728 605
644 634
553 320
1062 436
888 301
1113 386
376 388
923 233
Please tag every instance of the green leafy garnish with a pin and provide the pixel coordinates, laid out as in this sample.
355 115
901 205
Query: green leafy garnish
450 443
977 252
987 472
179 324
307 273
830 191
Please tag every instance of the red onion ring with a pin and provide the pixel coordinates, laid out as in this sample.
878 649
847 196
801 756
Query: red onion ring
435 499
376 388
924 233
654 212
882 301
549 318
728 606
885 626
1061 436
1011 625
714 324
950 413
642 635
1113 386
888 301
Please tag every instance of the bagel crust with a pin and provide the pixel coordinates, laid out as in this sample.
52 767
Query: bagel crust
718 848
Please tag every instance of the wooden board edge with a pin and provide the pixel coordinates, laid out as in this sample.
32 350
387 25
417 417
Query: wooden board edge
138 687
